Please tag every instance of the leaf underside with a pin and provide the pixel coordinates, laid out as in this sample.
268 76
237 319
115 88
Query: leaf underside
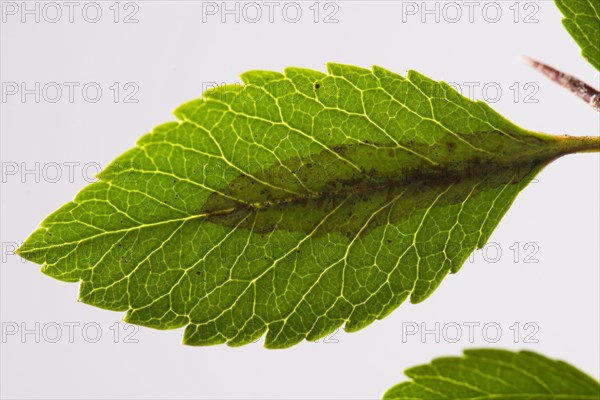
498 375
582 21
291 205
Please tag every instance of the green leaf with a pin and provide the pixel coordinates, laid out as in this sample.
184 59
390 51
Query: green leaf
498 375
293 204
582 21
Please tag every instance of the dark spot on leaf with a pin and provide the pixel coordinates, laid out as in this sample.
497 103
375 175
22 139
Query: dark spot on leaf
359 194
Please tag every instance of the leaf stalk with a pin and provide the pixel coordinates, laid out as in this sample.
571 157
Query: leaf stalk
579 144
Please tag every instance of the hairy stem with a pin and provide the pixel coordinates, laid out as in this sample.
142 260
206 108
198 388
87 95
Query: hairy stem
581 89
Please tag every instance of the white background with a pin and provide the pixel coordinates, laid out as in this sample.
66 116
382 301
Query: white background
170 53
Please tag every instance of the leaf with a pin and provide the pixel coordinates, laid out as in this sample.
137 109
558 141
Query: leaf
498 375
293 204
582 21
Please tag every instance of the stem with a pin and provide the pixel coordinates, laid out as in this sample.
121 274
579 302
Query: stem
579 144
581 89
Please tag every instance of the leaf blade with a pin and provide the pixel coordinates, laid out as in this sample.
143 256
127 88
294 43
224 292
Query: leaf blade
293 204
582 21
495 374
